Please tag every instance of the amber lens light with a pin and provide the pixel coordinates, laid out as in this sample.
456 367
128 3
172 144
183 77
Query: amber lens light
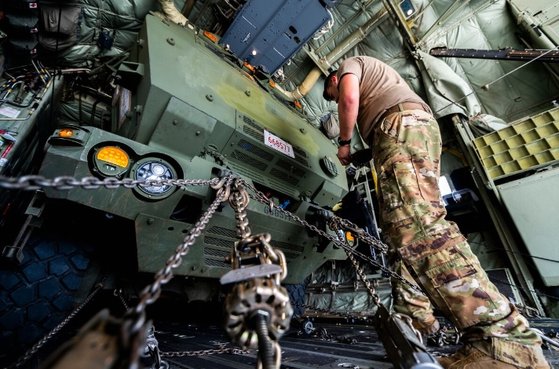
66 133
113 155
210 36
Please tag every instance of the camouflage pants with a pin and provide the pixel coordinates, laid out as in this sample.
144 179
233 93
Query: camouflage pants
406 152
406 300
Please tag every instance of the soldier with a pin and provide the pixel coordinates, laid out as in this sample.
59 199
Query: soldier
405 139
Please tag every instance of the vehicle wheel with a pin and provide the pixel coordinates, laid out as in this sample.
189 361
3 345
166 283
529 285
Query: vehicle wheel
297 298
38 294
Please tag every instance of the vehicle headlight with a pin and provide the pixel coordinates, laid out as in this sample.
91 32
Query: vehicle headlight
154 169
111 161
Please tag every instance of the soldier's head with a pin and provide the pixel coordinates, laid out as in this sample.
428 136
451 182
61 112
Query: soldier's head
330 92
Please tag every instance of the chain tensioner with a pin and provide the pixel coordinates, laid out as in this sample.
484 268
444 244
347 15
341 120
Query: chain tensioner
257 307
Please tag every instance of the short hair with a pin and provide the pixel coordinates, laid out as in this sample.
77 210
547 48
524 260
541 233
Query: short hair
327 83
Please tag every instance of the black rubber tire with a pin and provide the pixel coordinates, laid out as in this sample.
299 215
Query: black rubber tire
297 298
38 294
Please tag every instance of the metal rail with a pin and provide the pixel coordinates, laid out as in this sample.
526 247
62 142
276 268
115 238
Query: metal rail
547 56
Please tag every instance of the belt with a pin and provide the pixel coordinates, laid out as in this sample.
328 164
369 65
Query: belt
402 107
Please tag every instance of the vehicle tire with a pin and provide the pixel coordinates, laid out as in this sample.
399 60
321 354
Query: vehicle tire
39 293
297 298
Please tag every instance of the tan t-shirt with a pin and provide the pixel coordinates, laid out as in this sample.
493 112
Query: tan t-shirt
380 88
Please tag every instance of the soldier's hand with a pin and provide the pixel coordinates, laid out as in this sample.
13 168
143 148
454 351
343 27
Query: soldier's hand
344 154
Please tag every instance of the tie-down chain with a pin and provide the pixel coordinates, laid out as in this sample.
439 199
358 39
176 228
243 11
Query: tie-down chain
109 342
336 222
34 182
258 307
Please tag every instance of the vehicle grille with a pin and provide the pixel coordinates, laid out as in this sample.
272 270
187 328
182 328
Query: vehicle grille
250 158
218 242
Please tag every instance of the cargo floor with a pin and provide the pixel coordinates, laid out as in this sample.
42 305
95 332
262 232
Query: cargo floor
331 345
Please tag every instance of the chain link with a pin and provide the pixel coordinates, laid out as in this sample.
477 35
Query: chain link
239 200
334 312
36 182
379 245
253 245
36 347
445 336
207 352
120 295
359 270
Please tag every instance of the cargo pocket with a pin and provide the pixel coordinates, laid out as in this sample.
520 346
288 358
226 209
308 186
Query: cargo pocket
390 126
427 180
450 271
456 287
406 178
385 140
398 189
391 198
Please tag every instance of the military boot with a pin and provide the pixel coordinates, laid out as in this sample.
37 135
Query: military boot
475 356
427 326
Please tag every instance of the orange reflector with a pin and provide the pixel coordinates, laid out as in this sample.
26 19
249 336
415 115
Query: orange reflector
211 36
66 132
298 104
349 237
113 155
249 67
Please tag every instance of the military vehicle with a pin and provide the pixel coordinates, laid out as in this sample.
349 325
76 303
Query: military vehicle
200 119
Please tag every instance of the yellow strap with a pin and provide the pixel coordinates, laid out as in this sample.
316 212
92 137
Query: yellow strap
375 178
